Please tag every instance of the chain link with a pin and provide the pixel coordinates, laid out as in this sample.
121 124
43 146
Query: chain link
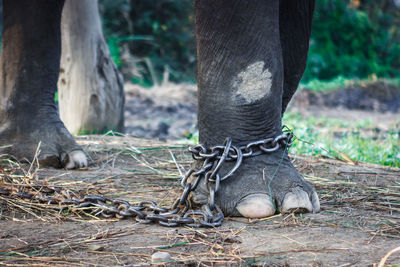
180 212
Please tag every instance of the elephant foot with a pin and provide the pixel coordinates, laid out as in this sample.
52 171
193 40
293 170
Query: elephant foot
53 145
263 185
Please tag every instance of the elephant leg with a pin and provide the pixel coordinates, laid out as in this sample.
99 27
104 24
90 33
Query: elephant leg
295 20
29 68
240 86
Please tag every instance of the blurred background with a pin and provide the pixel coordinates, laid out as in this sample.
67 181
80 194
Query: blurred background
348 103
356 39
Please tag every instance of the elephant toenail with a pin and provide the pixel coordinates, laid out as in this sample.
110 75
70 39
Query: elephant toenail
315 202
77 159
256 206
297 199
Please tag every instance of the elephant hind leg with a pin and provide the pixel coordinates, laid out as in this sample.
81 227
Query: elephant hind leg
295 20
29 68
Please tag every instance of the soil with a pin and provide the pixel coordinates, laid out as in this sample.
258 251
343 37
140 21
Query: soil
357 226
375 96
170 111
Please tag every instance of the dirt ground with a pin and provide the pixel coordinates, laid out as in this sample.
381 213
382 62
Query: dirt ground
170 112
358 224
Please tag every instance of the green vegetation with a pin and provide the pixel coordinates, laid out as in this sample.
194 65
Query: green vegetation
157 36
350 40
354 38
317 85
359 141
337 139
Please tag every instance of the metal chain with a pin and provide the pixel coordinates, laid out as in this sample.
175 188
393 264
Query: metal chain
180 212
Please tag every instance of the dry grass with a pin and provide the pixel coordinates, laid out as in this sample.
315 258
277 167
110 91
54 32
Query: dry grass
363 198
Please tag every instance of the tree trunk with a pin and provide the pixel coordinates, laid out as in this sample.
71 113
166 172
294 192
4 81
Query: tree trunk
90 88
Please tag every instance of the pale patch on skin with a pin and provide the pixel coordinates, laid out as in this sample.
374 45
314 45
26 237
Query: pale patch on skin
254 82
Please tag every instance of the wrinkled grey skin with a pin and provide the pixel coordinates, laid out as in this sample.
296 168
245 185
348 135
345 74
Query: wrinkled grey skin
251 56
31 50
240 42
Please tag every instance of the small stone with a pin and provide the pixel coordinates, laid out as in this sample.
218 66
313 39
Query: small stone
96 248
160 257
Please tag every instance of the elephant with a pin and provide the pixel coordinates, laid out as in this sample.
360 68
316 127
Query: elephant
251 57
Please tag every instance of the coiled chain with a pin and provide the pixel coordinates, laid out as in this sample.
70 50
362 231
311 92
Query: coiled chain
180 212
